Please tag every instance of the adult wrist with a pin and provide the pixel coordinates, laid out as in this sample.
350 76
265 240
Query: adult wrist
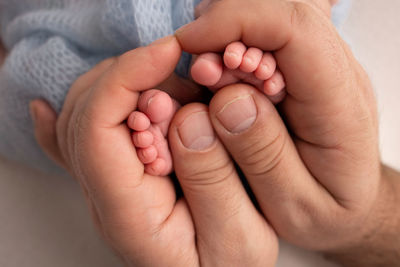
379 244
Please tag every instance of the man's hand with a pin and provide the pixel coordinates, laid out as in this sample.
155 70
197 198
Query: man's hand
139 215
316 174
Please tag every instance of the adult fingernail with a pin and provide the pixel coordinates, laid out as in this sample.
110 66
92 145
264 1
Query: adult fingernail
196 132
239 114
163 40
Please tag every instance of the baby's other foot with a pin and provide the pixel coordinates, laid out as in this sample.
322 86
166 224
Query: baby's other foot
239 63
150 126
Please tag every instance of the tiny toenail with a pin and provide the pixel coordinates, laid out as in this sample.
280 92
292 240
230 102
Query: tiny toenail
196 132
150 100
239 114
272 86
264 67
248 60
231 54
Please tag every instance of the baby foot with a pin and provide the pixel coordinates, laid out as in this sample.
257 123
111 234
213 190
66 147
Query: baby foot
239 63
150 126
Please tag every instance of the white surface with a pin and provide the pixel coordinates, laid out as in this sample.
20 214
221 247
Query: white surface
374 32
44 220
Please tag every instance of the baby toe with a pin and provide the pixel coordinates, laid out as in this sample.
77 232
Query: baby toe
207 69
156 104
142 139
275 99
251 59
275 85
157 167
163 126
163 152
147 155
233 55
138 121
266 68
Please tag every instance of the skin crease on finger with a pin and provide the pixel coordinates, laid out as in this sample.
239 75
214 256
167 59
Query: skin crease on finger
372 245
138 214
360 188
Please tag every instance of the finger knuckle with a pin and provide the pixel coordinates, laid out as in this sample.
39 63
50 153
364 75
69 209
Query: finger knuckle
261 158
214 173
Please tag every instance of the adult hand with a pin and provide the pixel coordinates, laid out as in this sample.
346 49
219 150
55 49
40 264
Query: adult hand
138 214
316 173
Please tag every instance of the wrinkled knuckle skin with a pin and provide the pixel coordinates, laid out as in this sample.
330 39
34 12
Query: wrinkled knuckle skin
214 173
330 227
260 158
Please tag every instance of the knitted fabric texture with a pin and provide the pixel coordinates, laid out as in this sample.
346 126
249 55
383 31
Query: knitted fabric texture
52 42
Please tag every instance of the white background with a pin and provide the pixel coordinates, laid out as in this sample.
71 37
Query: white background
44 221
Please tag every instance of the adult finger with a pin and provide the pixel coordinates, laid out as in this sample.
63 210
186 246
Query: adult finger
252 131
293 29
136 212
80 87
85 83
96 133
216 196
112 99
326 94
116 93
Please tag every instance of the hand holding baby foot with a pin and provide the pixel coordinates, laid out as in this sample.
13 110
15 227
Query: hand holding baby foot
316 172
139 214
240 64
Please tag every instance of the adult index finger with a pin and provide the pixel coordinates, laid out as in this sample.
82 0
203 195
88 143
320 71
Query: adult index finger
99 137
327 91
309 52
115 95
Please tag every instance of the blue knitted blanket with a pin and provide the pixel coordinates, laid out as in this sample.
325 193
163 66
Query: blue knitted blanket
52 42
